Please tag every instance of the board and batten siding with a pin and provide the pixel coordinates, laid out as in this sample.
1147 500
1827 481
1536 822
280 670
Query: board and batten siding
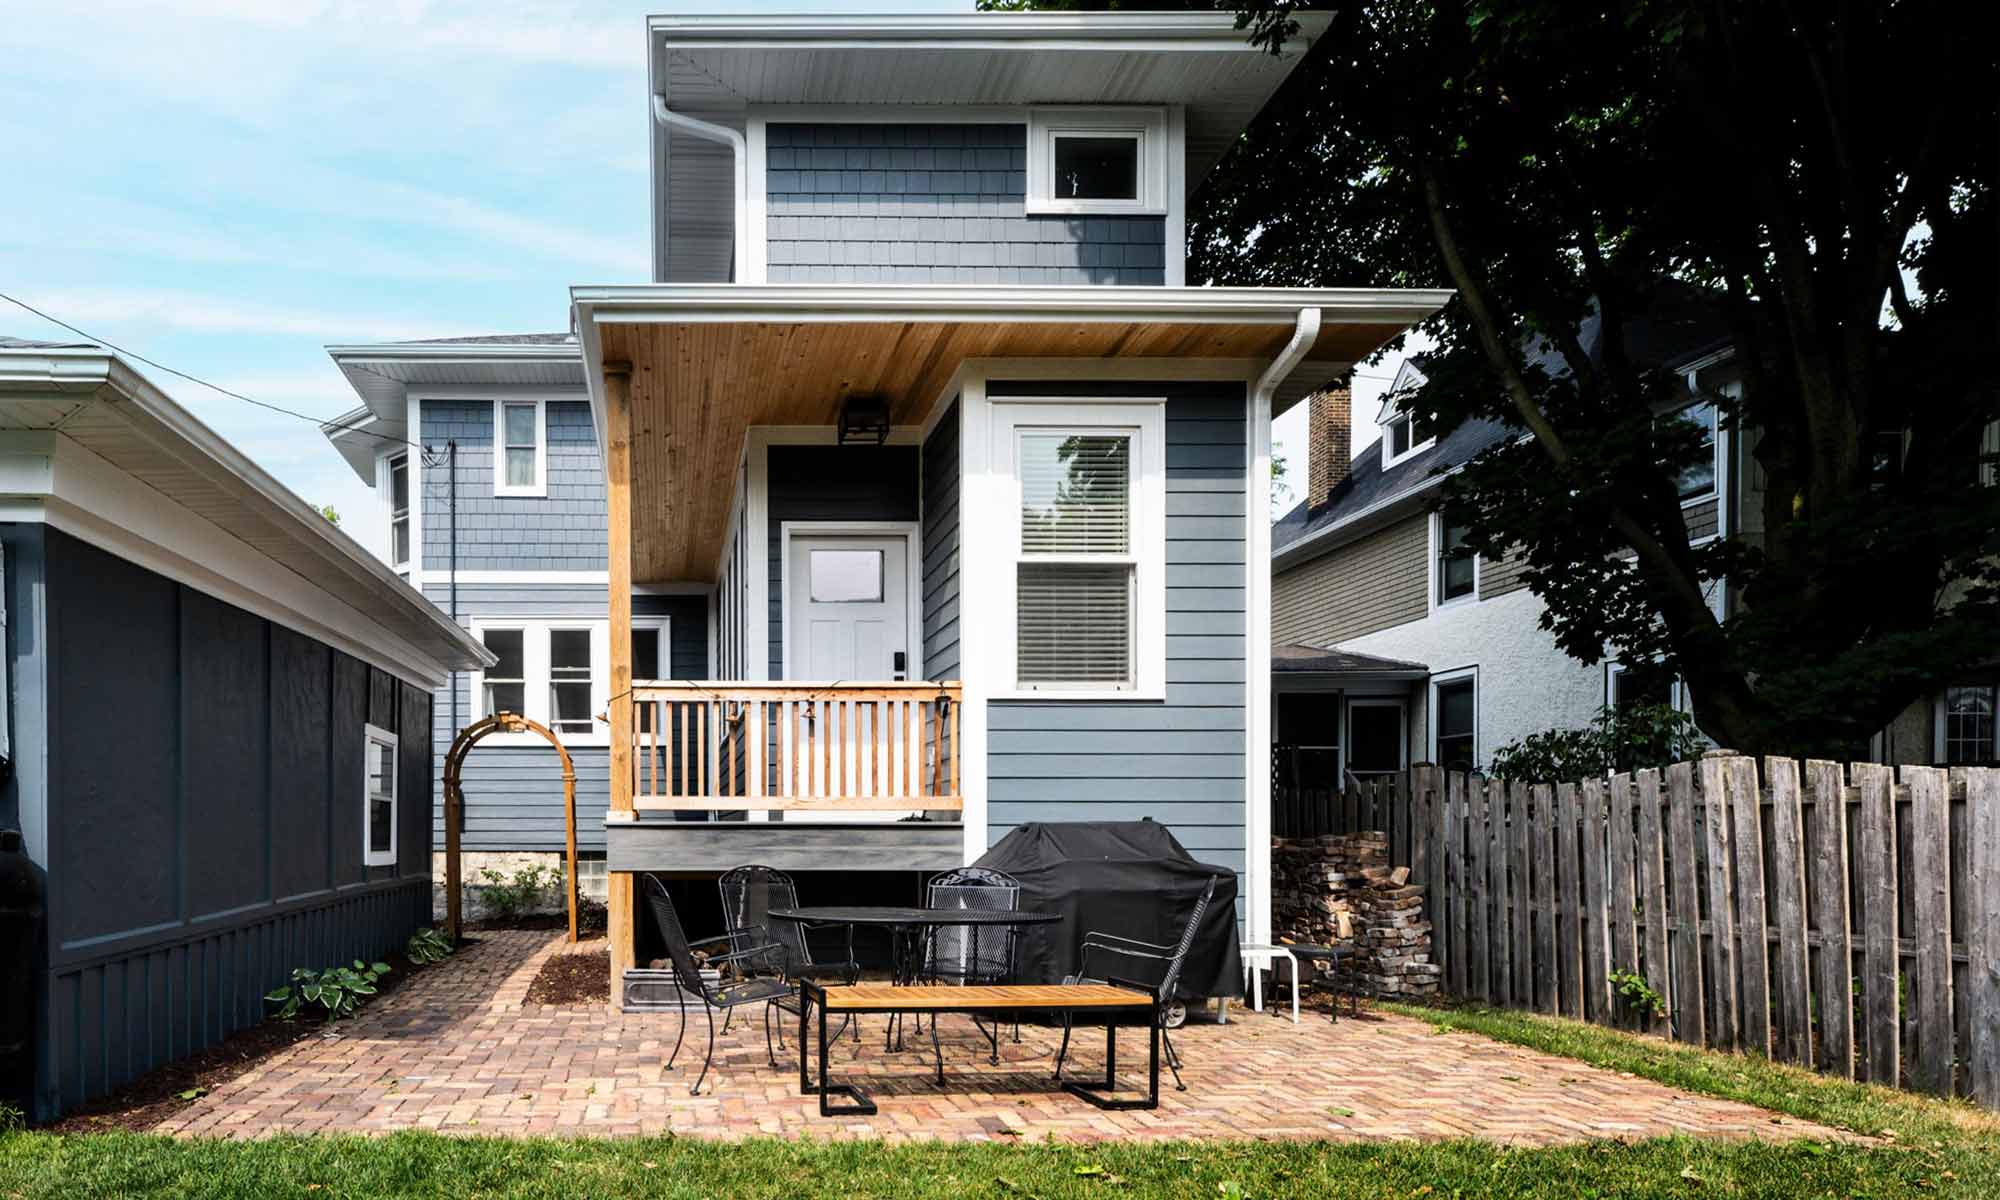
831 483
940 545
563 530
1179 762
201 787
513 793
884 203
1374 582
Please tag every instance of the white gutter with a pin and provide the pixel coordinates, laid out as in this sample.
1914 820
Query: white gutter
1257 625
741 149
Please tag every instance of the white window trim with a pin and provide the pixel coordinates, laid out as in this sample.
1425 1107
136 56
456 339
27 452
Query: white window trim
389 462
1676 696
1714 491
666 664
1434 544
1939 742
1416 446
372 736
1446 679
1145 420
500 485
1145 124
535 676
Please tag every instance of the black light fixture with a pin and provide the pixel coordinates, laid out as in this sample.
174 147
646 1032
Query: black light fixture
864 421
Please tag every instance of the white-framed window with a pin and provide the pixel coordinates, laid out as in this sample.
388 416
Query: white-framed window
1097 160
1086 538
378 796
557 671
1454 567
399 510
520 448
1455 719
1400 438
1623 686
1968 731
1697 480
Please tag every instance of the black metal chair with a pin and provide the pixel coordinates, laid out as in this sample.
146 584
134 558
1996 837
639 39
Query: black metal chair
749 893
1174 956
739 951
972 954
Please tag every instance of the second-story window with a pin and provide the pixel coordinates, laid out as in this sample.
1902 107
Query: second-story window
519 449
1097 160
1697 479
399 511
1456 567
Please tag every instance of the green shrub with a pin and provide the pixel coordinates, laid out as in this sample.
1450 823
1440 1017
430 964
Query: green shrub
1638 994
337 991
509 896
427 946
1617 739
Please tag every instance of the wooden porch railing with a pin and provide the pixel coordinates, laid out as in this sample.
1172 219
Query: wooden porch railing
704 747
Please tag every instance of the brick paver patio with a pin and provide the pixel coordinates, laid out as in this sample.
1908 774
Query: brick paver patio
457 1049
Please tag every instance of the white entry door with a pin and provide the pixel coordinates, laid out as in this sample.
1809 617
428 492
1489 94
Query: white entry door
848 612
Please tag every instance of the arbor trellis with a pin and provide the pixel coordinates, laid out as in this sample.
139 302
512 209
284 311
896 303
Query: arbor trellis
454 809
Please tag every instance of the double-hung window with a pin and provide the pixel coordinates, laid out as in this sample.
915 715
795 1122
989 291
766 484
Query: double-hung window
378 806
1455 720
1697 479
1969 731
399 511
1088 532
1454 565
504 685
570 681
520 449
558 671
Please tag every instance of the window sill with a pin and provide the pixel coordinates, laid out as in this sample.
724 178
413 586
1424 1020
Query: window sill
531 493
1389 460
372 859
1093 695
1048 206
1707 497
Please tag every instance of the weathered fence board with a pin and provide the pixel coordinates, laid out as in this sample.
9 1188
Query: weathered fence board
1569 902
1753 949
1723 1026
1653 891
1624 864
1481 934
1880 989
1930 986
1833 976
1982 937
1457 878
1596 944
1789 988
1520 932
1689 1021
1541 827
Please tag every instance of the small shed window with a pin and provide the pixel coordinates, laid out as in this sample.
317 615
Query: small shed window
378 816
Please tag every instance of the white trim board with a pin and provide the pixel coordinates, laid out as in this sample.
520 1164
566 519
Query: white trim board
913 570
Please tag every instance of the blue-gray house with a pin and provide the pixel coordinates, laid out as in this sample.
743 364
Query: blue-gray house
216 711
925 497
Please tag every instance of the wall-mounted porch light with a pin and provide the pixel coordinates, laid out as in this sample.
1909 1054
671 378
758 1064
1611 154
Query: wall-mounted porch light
864 421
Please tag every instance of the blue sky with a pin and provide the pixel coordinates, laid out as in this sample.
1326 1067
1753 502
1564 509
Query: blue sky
227 186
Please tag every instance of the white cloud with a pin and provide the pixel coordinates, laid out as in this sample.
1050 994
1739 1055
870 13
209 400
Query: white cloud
97 309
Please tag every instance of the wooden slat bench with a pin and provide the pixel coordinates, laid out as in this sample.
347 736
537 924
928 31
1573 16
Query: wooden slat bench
1085 1003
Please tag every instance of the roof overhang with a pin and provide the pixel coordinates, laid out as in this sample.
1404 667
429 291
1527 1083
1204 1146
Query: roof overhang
379 374
720 68
360 434
200 510
711 361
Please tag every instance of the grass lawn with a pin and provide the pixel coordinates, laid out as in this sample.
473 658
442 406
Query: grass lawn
1929 1148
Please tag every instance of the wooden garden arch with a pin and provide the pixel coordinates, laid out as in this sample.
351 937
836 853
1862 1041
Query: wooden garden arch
454 808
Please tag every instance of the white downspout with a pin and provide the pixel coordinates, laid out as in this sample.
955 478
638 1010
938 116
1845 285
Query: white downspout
1257 627
710 131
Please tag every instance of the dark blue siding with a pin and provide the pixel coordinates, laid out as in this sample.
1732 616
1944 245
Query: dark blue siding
562 531
831 483
1181 761
940 543
933 204
204 784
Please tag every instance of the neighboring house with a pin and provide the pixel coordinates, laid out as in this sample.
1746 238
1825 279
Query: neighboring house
217 715
919 286
1363 566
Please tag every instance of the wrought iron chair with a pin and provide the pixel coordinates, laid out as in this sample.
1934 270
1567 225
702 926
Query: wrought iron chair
735 950
972 954
749 893
1174 956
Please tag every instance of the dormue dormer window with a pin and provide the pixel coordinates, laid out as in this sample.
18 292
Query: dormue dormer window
1401 438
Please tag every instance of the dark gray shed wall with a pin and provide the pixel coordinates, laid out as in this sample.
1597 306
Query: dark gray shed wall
831 483
513 794
562 531
219 846
870 203
940 543
1181 761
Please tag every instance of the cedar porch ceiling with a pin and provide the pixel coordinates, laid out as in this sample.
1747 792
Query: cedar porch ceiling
697 388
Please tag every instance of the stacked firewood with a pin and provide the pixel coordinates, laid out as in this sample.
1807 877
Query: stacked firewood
1339 890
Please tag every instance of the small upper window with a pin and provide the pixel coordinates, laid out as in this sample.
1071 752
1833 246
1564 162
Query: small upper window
1097 160
1401 438
1097 168
1457 566
378 813
399 511
1697 480
518 452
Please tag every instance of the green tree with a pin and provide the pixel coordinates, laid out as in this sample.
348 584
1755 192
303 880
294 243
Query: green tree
1821 175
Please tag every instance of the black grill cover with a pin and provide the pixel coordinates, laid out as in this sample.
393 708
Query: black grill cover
1130 878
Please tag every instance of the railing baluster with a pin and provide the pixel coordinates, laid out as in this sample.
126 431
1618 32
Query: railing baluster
909 748
954 747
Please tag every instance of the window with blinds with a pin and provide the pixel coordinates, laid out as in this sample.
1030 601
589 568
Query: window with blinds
1075 580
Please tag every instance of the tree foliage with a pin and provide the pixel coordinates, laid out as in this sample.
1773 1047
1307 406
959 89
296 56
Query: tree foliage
1624 738
1821 176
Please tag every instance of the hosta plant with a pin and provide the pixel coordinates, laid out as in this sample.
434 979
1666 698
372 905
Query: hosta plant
336 991
428 945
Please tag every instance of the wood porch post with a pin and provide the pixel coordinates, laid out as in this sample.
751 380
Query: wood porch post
620 918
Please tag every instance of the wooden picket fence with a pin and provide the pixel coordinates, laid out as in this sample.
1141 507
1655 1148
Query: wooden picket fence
1846 919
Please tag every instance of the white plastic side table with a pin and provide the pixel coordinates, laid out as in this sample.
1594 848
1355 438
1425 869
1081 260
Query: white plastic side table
1270 955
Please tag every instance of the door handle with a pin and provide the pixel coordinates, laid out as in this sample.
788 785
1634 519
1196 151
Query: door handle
902 664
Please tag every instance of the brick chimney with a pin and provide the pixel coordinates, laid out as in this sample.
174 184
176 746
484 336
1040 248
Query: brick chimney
1329 442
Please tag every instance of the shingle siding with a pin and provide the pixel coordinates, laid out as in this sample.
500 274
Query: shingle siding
562 531
513 794
873 203
1371 583
1179 762
940 545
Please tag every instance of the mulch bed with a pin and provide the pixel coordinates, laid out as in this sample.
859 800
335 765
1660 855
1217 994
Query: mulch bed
573 979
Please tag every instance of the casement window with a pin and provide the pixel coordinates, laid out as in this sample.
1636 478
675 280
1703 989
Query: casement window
1455 720
1097 160
1968 733
1087 526
399 511
378 800
520 448
558 671
1454 567
1697 480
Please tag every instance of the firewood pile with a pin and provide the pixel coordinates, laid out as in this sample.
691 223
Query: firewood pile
1339 890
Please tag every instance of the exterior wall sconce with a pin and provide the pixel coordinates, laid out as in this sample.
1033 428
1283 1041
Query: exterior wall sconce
864 421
